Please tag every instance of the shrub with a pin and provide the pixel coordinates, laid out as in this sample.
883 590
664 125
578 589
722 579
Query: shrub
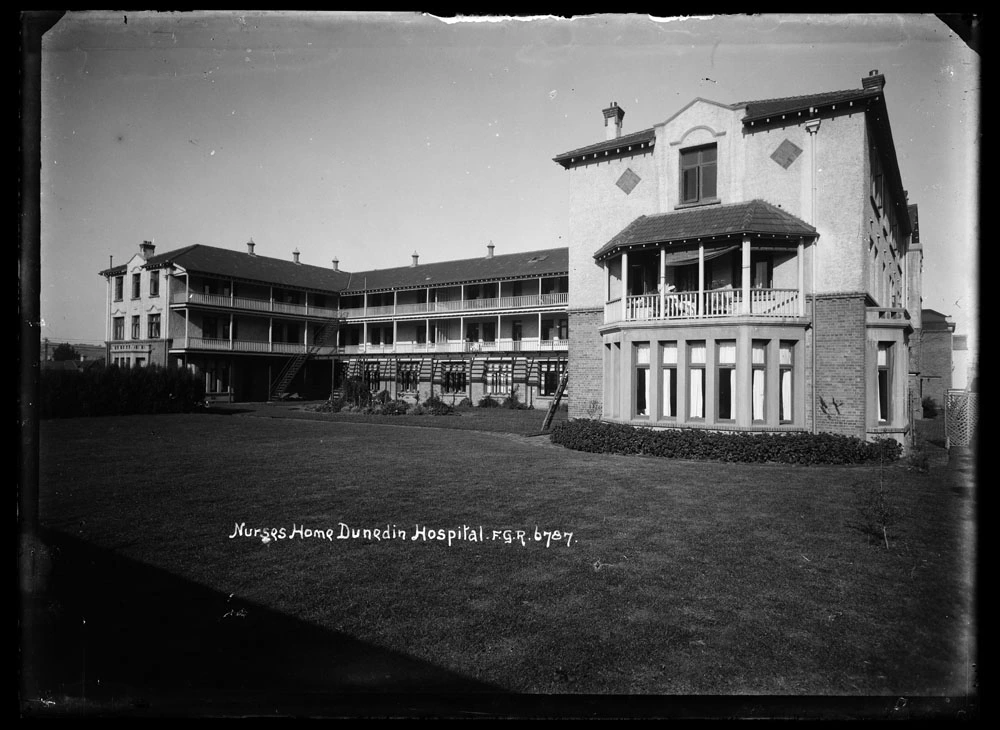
513 402
355 392
465 403
930 407
437 407
113 391
790 448
394 408
488 401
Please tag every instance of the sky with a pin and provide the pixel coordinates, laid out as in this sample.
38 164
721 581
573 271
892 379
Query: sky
368 137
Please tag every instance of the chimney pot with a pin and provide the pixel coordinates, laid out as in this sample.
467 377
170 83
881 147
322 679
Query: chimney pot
336 264
489 248
146 248
295 256
415 256
613 114
250 245
873 81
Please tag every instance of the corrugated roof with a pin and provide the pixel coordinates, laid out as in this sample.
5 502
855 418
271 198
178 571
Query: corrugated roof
767 108
547 262
754 217
646 136
241 265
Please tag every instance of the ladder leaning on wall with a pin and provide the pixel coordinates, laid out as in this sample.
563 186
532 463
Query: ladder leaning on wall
554 405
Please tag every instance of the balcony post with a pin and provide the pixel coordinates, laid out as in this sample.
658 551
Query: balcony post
745 286
187 319
663 281
800 260
230 331
270 300
395 332
625 284
232 292
364 334
701 279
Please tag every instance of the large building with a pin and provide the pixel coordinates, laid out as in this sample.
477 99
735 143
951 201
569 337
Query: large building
745 267
737 267
258 327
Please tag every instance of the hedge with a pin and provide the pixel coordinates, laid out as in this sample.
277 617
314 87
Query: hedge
784 448
115 391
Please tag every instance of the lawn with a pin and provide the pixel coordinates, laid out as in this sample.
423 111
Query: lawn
680 578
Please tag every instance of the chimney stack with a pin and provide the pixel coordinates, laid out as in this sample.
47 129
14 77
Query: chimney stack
613 116
295 255
336 264
415 256
250 245
874 81
489 248
146 249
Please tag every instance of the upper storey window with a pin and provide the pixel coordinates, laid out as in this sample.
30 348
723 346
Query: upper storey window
698 174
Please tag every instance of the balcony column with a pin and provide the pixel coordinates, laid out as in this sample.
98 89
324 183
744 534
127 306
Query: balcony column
497 340
461 331
364 336
800 260
232 292
395 301
539 330
746 308
663 283
107 313
624 282
187 321
701 280
427 325
230 331
270 330
395 333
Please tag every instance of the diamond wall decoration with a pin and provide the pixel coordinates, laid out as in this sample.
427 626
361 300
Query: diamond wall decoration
786 153
628 181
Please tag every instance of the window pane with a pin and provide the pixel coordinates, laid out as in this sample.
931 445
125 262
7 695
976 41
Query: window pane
727 353
697 398
669 353
786 395
669 393
708 181
759 353
689 184
642 353
698 353
709 154
758 394
642 391
727 381
785 354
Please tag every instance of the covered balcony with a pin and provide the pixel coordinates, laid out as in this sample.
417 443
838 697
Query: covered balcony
740 260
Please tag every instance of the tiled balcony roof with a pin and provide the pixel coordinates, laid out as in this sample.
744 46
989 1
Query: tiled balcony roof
754 218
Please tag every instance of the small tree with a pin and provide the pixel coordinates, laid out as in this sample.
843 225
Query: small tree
64 352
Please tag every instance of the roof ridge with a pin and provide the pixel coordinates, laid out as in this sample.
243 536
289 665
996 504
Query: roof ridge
797 96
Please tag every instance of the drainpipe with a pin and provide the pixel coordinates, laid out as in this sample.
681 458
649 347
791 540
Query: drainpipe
812 127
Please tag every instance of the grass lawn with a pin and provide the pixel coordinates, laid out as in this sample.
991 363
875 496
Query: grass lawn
680 577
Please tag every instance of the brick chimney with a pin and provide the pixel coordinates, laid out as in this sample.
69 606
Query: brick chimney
336 264
295 256
415 257
250 245
146 249
489 249
874 81
613 116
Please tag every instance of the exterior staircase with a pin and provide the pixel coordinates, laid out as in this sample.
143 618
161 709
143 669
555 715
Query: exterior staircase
279 388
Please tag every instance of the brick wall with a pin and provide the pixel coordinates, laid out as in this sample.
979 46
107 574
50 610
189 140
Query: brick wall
839 336
935 360
585 363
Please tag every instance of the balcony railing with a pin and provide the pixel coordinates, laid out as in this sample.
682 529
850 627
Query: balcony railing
877 315
458 305
251 346
501 345
253 305
714 304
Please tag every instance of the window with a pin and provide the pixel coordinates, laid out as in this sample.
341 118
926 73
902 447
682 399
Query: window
118 330
642 378
726 385
515 330
472 332
210 328
372 377
698 174
668 358
140 362
135 327
761 271
489 331
785 361
136 286
758 380
153 327
562 329
884 381
696 379
154 283
407 376
546 332
421 334
498 377
548 377
119 288
454 378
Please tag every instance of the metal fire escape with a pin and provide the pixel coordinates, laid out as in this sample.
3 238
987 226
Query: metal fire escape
279 388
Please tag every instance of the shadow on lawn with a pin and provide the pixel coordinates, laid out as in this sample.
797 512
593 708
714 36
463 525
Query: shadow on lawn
113 636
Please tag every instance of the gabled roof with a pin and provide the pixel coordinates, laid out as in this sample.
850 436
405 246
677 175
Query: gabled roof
753 218
638 141
767 108
241 265
547 262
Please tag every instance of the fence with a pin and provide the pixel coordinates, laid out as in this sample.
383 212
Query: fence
961 417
